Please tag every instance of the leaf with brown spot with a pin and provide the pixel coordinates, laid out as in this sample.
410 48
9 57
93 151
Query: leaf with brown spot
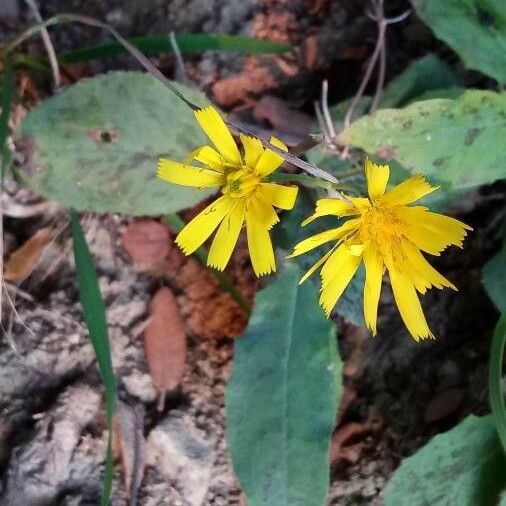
165 341
22 262
147 242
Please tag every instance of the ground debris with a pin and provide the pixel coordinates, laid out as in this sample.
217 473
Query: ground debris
41 467
22 262
183 456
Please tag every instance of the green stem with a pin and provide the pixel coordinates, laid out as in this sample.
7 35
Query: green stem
224 281
495 378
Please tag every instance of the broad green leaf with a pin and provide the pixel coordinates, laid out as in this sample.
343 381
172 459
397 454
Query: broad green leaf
95 145
494 278
495 378
94 316
475 29
455 141
156 44
464 466
427 75
282 398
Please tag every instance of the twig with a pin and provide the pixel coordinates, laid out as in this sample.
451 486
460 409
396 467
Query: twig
367 76
381 78
181 75
46 39
329 124
379 52
382 22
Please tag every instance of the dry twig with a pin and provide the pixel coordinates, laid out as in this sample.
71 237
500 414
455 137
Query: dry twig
46 39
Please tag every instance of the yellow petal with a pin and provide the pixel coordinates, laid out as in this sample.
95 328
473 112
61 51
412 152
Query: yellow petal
423 268
270 161
409 306
336 274
208 156
198 230
372 288
216 129
316 240
177 173
253 150
226 237
259 245
377 178
263 210
325 207
317 265
432 232
408 191
278 195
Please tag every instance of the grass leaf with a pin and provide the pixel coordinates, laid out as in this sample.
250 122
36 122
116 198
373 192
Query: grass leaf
152 45
94 316
7 94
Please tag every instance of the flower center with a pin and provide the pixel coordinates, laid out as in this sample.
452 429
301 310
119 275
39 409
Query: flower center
240 182
382 226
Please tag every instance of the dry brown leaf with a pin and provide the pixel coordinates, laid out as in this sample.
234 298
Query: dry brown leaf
347 443
22 262
284 120
129 444
444 404
165 341
147 242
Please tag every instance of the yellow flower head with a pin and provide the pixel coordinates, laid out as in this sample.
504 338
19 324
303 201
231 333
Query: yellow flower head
245 198
384 232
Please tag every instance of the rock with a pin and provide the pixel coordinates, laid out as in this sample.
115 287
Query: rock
140 385
183 456
40 467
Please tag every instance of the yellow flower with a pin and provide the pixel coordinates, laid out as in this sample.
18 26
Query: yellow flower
384 233
245 198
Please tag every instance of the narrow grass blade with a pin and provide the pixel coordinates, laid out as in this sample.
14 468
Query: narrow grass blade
6 104
152 45
224 281
94 316
495 378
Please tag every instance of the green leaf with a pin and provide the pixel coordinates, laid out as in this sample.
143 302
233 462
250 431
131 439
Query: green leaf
495 378
282 398
464 466
455 141
94 316
494 278
427 75
156 44
475 29
95 145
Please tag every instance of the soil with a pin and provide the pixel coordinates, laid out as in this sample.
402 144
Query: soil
398 393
